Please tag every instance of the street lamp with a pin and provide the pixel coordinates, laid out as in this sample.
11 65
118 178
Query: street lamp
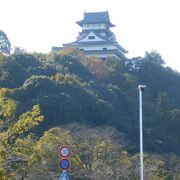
141 89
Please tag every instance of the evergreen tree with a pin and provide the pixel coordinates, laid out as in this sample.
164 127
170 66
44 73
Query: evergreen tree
5 45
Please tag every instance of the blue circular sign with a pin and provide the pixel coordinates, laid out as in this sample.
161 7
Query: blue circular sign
64 164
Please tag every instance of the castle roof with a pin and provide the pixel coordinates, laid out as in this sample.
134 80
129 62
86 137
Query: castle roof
95 17
78 43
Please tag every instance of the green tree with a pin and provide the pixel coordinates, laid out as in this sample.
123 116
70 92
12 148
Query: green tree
163 105
5 45
97 67
155 57
7 107
11 159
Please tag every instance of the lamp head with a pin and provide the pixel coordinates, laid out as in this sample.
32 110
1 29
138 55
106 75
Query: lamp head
141 87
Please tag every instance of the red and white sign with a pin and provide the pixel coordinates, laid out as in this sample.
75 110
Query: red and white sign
64 151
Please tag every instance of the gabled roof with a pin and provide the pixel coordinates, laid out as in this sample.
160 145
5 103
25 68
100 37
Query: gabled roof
95 17
77 42
104 41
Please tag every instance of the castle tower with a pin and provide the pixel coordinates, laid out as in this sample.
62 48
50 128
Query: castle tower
96 38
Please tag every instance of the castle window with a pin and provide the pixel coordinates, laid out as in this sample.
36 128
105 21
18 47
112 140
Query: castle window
96 26
91 37
85 27
90 26
102 26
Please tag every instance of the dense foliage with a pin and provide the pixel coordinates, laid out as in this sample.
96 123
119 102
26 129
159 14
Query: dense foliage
72 90
5 45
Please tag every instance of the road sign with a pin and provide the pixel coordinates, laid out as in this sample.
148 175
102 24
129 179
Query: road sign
64 164
64 151
64 176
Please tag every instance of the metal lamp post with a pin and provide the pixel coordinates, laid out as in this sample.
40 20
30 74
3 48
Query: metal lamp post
141 88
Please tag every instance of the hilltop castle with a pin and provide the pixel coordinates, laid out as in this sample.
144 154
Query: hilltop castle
96 39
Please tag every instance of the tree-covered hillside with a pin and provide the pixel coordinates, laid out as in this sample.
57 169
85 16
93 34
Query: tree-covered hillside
71 88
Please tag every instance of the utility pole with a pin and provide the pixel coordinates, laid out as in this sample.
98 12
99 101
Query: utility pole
141 89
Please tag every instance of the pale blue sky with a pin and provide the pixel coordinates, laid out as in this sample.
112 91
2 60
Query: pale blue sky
141 25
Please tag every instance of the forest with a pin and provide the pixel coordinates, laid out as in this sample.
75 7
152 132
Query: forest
92 105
